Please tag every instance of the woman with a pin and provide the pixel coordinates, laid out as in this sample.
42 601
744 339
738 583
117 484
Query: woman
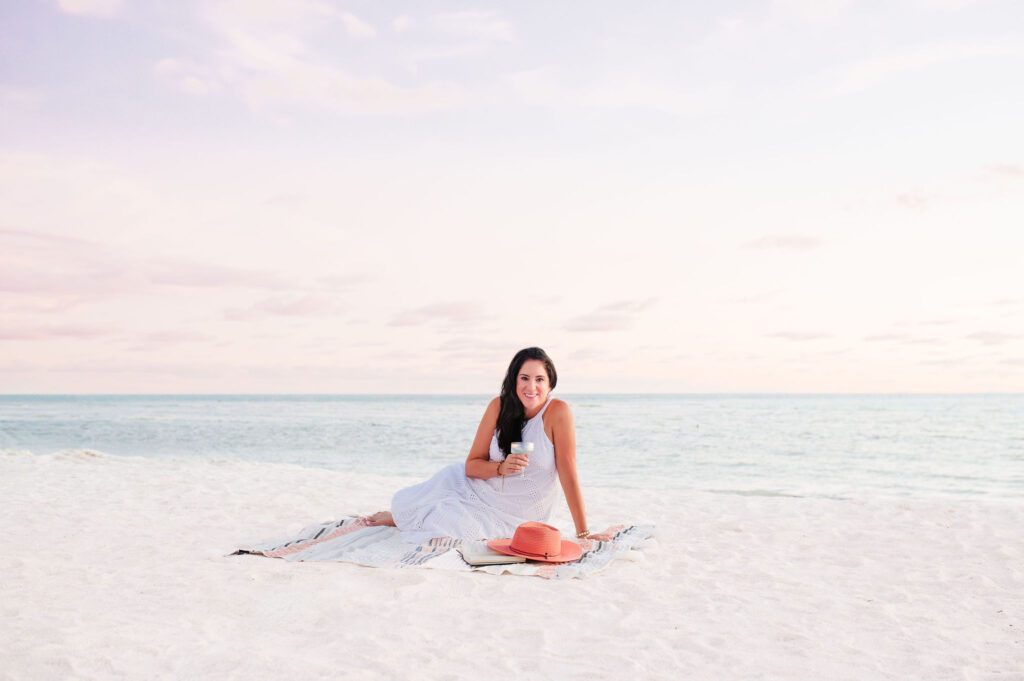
495 491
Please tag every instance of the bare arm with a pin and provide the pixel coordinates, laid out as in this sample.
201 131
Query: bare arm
478 464
563 436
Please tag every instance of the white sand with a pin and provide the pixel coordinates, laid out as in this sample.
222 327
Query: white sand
116 568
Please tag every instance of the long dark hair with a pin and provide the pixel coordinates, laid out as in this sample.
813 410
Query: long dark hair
512 415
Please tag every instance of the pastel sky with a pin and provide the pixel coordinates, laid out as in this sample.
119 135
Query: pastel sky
349 197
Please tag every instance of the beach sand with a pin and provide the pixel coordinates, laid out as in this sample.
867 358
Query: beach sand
118 568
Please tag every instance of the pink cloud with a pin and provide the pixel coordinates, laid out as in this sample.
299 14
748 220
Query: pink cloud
57 331
175 336
798 336
67 271
281 306
199 274
1007 169
611 317
994 337
456 313
782 242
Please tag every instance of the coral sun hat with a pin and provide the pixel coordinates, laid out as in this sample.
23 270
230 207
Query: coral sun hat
538 541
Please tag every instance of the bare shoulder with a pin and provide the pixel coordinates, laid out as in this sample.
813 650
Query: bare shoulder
491 413
559 411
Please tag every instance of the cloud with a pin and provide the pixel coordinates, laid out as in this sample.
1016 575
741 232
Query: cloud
188 77
93 7
66 271
756 298
550 87
1013 361
302 306
784 242
885 337
15 98
875 71
948 361
174 336
994 337
1007 169
402 23
456 313
611 317
342 282
799 336
915 201
57 331
815 10
356 27
264 57
201 275
476 24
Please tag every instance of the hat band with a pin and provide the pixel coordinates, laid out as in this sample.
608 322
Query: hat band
539 555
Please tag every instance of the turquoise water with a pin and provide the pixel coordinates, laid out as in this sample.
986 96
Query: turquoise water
848 446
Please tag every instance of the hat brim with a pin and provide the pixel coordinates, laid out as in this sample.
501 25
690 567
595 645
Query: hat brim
569 551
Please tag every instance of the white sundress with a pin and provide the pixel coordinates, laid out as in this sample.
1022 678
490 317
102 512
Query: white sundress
452 505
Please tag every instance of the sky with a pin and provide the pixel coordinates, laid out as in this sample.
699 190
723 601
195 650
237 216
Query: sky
310 196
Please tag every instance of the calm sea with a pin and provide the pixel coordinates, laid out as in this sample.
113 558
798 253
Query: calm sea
846 446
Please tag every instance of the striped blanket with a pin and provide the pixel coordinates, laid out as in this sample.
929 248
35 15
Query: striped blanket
353 541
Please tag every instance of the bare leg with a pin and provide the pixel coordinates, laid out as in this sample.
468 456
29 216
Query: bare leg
380 518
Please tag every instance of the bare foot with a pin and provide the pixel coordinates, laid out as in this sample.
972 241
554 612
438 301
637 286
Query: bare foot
380 518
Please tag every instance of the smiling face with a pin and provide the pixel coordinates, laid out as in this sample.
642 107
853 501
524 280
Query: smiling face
532 385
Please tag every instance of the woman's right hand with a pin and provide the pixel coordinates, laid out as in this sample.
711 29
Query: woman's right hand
515 463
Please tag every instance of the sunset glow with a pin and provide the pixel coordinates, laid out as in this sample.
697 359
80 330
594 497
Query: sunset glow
349 197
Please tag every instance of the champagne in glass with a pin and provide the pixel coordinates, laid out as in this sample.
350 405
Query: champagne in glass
522 448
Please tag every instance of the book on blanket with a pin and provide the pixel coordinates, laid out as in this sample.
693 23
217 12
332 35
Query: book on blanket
479 553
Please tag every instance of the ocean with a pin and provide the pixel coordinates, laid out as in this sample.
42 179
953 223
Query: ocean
835 446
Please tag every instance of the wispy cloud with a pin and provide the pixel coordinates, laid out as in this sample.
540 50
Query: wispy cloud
947 361
176 336
16 98
611 317
550 87
402 23
799 336
782 242
875 71
994 337
95 7
885 337
815 10
913 200
264 56
58 272
283 306
200 275
455 313
1014 170
756 298
476 24
54 331
356 27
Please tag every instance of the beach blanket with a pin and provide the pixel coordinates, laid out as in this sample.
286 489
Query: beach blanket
351 540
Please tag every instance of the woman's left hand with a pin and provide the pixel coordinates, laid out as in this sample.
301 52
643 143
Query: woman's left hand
599 536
